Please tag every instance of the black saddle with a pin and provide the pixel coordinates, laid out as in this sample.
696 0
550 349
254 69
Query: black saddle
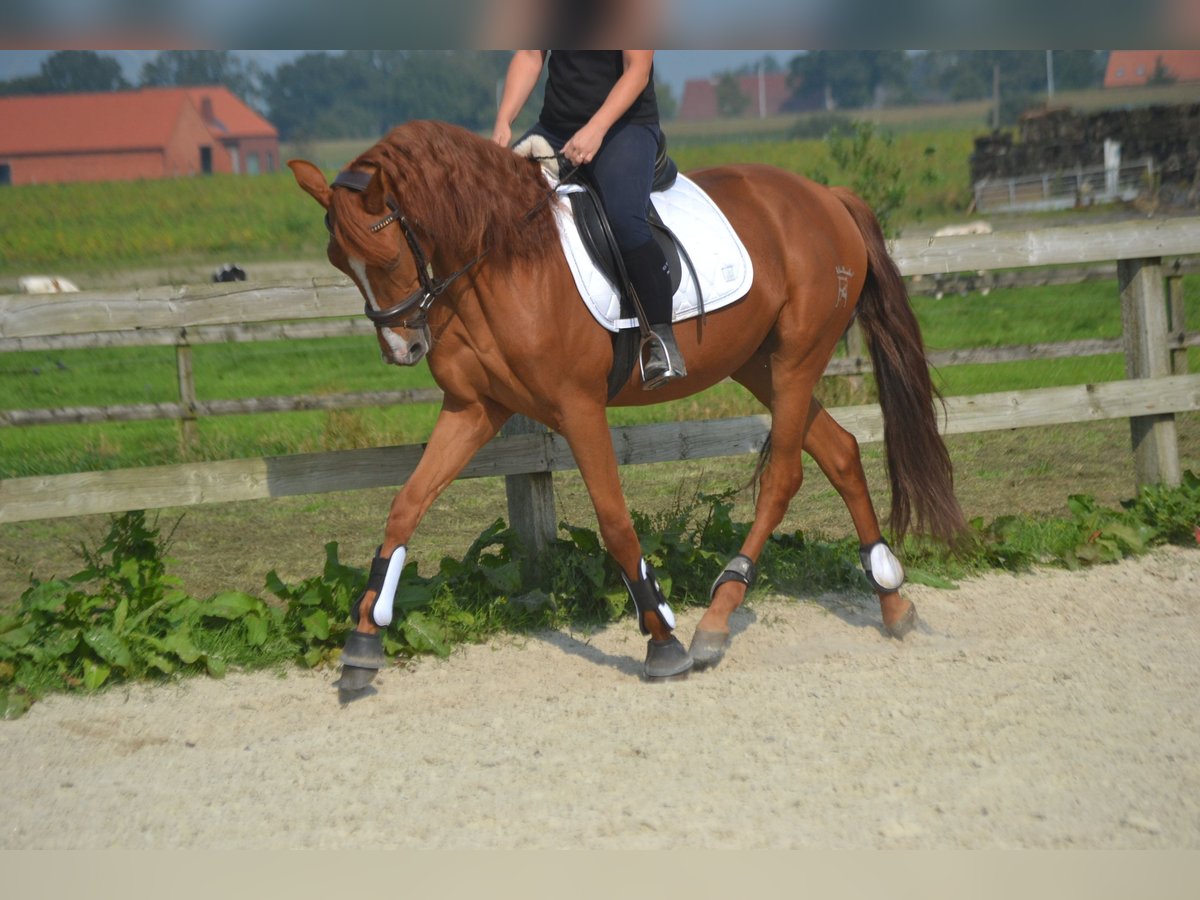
601 245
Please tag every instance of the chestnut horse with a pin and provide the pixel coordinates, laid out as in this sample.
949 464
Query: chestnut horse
453 244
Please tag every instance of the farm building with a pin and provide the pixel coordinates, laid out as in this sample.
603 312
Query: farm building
125 135
1136 67
766 95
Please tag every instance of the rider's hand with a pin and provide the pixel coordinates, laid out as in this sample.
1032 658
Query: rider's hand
581 149
501 134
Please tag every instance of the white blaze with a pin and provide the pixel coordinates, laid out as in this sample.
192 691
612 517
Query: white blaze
395 342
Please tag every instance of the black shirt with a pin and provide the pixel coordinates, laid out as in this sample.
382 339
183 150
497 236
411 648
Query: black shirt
580 81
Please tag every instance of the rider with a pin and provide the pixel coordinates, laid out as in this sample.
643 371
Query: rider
601 113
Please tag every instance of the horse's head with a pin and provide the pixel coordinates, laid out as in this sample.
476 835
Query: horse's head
396 285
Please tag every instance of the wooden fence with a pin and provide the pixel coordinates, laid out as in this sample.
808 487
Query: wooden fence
1154 342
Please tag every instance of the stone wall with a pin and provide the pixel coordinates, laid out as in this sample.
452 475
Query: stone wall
1055 140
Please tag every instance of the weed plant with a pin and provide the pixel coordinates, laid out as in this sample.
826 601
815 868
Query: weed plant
123 617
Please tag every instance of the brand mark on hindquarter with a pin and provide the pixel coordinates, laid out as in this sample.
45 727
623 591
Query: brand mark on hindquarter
843 276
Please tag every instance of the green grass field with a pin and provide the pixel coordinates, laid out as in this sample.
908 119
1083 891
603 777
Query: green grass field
145 375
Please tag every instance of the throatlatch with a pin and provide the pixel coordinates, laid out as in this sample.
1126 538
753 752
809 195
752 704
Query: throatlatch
383 580
648 597
882 568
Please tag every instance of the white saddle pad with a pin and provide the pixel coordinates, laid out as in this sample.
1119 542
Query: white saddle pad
722 265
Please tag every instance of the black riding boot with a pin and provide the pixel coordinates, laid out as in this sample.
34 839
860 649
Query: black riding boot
651 278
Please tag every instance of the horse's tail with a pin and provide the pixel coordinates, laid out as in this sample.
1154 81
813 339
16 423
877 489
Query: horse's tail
919 468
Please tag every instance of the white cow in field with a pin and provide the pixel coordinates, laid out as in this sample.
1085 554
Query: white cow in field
46 284
966 228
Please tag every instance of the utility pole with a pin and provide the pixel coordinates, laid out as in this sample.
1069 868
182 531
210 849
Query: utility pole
1049 76
996 97
762 90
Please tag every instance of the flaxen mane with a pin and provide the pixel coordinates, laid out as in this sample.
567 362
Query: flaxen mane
461 193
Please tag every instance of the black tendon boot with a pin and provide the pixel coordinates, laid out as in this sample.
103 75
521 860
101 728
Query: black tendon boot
651 279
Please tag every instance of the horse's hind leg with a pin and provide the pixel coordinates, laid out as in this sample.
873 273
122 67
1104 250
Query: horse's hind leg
835 450
781 479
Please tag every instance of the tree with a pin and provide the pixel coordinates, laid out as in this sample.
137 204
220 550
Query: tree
70 71
967 74
1161 74
854 78
192 68
319 95
27 84
668 106
363 93
730 99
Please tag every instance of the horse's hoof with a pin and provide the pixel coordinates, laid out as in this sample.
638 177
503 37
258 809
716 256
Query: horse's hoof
354 680
906 623
708 647
364 651
666 660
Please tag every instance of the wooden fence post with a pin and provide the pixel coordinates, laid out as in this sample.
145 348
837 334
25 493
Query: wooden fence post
189 432
531 510
1144 320
1177 322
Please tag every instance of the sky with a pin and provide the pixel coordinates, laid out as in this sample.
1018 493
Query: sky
672 66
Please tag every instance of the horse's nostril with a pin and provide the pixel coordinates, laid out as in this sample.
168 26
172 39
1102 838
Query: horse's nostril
416 350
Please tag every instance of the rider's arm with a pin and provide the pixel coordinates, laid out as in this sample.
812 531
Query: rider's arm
524 69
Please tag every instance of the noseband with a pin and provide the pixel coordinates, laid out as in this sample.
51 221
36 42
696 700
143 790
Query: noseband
431 288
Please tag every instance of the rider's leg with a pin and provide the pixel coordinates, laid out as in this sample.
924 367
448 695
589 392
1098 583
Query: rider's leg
623 172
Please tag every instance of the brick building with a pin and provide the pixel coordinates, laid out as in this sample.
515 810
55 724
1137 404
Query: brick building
1136 67
125 135
766 95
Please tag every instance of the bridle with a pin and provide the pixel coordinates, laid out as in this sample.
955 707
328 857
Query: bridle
430 288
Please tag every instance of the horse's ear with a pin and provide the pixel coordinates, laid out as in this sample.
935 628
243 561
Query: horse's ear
309 178
374 196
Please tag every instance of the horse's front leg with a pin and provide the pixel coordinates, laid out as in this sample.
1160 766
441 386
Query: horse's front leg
586 431
461 429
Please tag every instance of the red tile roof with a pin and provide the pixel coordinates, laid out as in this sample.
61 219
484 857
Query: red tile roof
1134 67
116 120
238 119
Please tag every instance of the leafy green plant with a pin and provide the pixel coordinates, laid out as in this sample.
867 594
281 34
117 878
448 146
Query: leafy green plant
123 617
865 161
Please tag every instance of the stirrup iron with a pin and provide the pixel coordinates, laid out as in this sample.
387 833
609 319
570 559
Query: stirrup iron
660 338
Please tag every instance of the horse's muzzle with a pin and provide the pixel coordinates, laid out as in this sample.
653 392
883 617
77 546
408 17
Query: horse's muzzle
404 346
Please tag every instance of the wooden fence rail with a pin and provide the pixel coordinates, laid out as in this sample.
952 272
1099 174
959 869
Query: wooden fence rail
1153 342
